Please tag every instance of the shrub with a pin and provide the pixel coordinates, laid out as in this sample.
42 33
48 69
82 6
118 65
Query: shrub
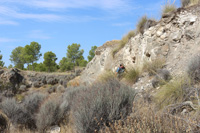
168 7
51 112
101 104
132 75
185 3
193 69
33 101
15 112
153 66
124 41
162 76
4 122
141 24
145 119
172 92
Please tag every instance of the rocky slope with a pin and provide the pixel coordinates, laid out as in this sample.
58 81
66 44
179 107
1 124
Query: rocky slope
14 81
176 38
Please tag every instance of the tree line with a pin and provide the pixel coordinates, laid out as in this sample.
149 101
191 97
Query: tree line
30 54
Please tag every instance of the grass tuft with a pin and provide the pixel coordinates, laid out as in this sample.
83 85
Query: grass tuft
132 75
141 24
172 92
153 66
124 41
169 7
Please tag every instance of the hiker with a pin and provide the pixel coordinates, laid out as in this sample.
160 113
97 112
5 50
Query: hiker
120 70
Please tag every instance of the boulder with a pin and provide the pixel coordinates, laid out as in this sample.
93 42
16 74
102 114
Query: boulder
54 129
22 88
15 77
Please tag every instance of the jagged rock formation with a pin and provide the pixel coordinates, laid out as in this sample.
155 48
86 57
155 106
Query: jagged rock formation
176 38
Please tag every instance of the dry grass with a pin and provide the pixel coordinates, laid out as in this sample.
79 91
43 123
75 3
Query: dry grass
172 92
132 75
145 119
152 66
105 76
74 83
169 7
124 41
141 24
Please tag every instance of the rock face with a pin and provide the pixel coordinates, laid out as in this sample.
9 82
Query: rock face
176 38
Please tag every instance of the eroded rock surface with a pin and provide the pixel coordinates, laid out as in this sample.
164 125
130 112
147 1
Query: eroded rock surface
175 38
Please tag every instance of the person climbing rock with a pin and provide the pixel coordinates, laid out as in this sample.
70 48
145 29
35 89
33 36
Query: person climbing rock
120 70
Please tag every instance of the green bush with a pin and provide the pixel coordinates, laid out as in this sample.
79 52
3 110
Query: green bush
101 104
172 92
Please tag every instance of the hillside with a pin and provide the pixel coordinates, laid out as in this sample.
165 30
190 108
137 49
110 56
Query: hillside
175 38
158 92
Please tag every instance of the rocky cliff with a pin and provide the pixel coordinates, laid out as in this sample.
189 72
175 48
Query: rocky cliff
175 38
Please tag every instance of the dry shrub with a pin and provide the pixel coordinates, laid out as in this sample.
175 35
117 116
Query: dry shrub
169 7
74 83
4 122
33 101
193 69
172 92
145 119
124 41
132 75
51 112
15 112
101 104
154 65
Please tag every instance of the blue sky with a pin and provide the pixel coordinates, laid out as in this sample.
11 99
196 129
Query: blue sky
55 24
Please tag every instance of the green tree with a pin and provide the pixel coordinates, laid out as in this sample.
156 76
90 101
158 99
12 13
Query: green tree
74 53
32 53
10 66
65 64
50 61
91 53
17 58
1 62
